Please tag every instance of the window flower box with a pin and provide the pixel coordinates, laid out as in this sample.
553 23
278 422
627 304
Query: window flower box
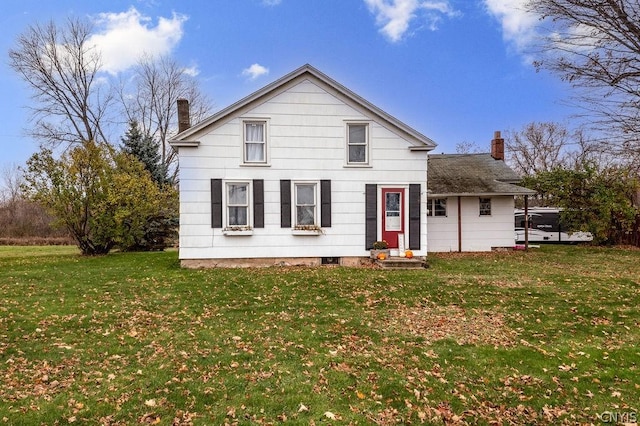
237 230
307 230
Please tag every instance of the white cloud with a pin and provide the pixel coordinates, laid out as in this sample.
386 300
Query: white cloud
122 38
519 27
255 71
271 2
394 16
191 71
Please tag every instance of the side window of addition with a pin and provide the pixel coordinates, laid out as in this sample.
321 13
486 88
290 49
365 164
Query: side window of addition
485 206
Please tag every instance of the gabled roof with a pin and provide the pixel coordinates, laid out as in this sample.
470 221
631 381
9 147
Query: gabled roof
189 136
471 174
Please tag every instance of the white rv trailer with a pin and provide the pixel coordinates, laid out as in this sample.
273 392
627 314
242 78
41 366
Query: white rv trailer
545 227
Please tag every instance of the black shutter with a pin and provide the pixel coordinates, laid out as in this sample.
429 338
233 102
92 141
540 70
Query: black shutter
371 215
258 203
285 204
325 203
216 203
414 216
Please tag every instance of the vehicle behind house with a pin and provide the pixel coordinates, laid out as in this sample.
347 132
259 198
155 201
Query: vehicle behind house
545 227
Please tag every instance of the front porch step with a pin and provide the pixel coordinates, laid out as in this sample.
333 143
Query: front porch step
401 263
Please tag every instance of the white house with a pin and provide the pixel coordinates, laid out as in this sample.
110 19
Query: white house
471 200
303 171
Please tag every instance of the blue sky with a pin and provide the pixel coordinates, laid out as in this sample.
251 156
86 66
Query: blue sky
455 70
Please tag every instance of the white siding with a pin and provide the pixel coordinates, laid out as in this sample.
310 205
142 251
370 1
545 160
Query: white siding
306 129
479 233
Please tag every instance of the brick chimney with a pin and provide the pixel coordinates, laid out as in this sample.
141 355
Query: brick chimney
497 146
184 120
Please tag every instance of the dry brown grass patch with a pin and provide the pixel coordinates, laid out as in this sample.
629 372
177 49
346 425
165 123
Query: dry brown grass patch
465 326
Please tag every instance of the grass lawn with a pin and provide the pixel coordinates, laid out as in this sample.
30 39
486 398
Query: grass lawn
545 337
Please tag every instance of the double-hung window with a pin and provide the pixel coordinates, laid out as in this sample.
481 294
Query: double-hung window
357 143
237 206
238 214
255 142
306 206
437 207
485 206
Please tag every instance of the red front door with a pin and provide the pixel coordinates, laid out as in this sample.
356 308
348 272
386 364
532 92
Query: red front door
392 215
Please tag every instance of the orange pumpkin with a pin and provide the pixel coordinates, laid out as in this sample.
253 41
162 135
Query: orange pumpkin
382 256
408 254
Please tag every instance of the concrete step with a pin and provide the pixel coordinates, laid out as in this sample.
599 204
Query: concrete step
402 263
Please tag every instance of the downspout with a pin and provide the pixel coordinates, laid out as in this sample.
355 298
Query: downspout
526 222
459 224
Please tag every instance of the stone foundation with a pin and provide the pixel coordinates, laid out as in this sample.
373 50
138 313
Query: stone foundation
269 262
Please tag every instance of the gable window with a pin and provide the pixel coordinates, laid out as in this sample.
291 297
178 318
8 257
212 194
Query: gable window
485 206
237 204
437 207
357 143
305 204
255 142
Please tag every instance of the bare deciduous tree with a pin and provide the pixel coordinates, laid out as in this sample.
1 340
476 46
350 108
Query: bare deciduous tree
595 45
61 69
12 180
541 147
466 147
158 84
21 219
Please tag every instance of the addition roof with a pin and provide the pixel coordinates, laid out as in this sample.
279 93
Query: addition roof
471 175
418 140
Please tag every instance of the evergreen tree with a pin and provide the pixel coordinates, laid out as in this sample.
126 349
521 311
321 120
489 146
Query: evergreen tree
147 151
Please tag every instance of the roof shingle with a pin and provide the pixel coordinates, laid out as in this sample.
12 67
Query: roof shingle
471 174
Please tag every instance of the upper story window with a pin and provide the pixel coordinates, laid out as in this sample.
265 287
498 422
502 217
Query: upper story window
485 206
255 142
437 207
306 204
358 143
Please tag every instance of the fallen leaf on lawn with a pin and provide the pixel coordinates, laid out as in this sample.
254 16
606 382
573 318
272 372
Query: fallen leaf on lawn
329 415
302 408
151 419
360 395
150 403
231 412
